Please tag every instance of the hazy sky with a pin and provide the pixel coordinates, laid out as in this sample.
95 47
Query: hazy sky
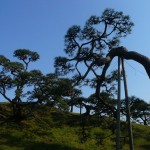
40 25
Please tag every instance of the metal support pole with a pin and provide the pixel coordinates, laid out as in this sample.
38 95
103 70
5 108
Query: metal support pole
127 107
118 109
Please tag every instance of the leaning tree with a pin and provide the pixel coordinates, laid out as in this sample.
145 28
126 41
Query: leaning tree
91 48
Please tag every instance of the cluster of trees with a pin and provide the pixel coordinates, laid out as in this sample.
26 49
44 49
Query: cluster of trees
31 87
89 51
140 110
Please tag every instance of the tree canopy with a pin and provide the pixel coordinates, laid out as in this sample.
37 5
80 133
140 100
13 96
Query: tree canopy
91 48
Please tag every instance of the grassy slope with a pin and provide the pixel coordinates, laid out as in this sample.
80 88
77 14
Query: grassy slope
54 130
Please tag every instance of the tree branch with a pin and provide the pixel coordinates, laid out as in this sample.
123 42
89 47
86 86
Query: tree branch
129 55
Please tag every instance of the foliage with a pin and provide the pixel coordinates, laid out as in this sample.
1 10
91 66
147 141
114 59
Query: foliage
26 56
140 110
52 90
29 87
15 76
98 106
86 47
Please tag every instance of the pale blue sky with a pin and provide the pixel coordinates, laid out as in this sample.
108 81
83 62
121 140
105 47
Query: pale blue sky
40 25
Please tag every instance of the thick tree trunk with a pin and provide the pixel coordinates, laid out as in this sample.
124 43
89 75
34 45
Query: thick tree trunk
17 112
124 53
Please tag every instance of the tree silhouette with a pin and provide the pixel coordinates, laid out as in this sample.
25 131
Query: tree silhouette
52 90
15 76
91 49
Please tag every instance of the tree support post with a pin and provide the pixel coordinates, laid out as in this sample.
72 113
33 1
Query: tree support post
118 108
127 107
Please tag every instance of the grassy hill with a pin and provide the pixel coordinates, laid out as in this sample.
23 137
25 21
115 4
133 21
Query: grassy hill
51 129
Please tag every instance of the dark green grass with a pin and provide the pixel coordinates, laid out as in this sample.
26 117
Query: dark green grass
50 129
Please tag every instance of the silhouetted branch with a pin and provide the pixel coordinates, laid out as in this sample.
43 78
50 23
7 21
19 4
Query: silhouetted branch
124 53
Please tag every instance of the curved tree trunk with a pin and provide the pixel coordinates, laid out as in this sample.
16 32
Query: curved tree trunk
124 53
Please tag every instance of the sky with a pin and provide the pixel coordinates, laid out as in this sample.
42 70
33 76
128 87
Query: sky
40 25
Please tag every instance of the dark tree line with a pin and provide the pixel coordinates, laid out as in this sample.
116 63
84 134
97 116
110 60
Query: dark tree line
89 52
31 87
